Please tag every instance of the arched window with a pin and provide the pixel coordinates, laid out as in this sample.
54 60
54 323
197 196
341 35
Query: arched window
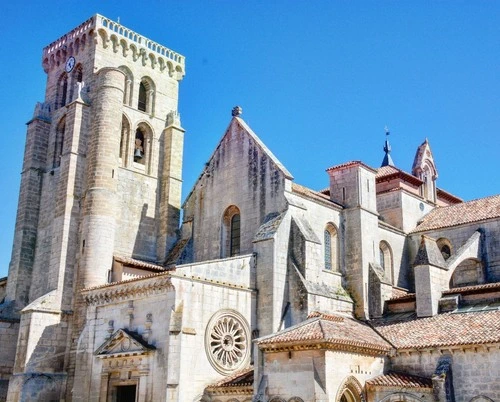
231 232
76 79
331 248
146 96
385 259
444 246
62 91
59 143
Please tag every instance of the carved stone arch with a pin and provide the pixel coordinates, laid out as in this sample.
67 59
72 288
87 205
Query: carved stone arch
170 67
124 46
153 60
77 46
481 398
161 63
295 399
129 85
469 272
351 389
231 232
401 397
125 140
103 35
115 41
445 247
277 399
83 42
233 400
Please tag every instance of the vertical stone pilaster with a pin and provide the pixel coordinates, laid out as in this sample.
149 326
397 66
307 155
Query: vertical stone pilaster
170 186
26 229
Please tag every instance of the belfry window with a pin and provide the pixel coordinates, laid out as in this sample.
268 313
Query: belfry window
143 97
140 147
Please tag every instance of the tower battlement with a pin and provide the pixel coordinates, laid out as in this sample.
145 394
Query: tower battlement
121 39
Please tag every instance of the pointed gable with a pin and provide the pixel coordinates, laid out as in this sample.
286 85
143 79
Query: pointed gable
124 343
424 161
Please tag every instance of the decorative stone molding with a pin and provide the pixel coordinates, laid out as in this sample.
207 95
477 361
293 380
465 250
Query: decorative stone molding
145 286
227 341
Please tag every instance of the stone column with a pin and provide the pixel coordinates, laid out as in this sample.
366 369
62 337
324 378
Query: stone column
99 211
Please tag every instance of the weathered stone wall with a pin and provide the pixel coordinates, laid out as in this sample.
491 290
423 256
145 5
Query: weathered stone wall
459 235
249 179
475 371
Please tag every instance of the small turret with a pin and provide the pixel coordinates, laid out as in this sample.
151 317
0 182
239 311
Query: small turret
387 149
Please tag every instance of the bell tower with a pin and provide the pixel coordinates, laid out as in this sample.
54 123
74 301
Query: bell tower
101 177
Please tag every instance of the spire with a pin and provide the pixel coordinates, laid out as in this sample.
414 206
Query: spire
387 149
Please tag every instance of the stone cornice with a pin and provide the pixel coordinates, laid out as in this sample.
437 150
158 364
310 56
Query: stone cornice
125 290
354 347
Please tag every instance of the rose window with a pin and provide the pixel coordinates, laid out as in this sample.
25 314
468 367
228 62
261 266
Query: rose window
227 341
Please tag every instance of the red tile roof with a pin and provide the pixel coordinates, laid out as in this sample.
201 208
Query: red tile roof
314 195
398 292
466 212
242 378
332 331
132 262
390 172
400 381
474 289
349 164
447 329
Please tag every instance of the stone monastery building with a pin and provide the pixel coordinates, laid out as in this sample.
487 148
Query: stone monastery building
381 287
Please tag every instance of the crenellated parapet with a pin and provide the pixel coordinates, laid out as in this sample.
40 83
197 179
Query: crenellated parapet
110 34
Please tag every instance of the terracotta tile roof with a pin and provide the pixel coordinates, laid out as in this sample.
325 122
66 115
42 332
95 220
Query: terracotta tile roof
400 298
447 329
458 214
474 289
391 172
445 195
398 292
314 195
242 378
400 380
333 331
349 164
132 262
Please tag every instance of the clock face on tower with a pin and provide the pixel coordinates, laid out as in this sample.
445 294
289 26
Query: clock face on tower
70 63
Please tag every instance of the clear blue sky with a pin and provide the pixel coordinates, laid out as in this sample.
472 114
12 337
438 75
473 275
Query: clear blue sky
317 80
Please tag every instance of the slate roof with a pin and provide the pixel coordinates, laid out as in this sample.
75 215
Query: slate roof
446 329
466 212
399 380
332 330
